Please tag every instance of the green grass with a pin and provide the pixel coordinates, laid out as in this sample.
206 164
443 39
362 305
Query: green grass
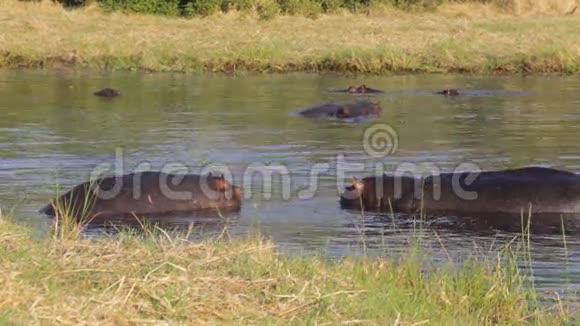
164 277
469 38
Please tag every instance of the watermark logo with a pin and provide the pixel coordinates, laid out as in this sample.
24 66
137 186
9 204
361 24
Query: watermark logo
380 140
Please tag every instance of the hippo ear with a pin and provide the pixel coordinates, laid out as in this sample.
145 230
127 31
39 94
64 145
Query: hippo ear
357 183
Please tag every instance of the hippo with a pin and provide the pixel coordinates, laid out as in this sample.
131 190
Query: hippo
362 89
148 193
107 92
344 111
449 92
500 195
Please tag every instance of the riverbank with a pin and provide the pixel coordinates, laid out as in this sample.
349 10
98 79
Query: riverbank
467 38
168 278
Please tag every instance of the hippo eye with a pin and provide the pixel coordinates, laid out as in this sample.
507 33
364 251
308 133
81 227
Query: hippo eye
106 185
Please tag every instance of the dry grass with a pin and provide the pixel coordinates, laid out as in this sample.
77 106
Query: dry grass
457 38
168 279
513 8
527 7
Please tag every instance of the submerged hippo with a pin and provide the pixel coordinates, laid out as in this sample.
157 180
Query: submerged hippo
344 111
146 194
498 194
362 89
108 92
449 92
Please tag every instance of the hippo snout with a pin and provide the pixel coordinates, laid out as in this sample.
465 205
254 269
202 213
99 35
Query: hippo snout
352 196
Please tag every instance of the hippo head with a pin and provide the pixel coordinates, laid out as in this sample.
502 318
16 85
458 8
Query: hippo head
220 186
369 108
384 192
359 109
358 89
352 197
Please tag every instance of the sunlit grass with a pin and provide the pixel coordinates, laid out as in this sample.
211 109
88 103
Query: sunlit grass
455 38
166 277
70 216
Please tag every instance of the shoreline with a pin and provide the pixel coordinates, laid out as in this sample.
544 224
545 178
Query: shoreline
104 65
457 39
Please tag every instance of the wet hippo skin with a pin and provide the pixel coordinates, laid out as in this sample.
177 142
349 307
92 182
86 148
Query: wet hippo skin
107 92
506 194
343 111
147 194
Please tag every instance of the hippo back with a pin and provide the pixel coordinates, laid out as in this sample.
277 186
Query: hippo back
146 193
542 190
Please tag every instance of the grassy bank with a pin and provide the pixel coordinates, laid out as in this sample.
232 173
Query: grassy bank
310 8
472 38
167 278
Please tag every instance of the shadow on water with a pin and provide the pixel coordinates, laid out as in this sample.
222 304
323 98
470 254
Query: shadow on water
198 226
537 224
55 131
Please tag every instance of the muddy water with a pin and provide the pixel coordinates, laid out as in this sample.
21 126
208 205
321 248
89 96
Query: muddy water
54 132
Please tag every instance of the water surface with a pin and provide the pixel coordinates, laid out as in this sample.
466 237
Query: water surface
54 132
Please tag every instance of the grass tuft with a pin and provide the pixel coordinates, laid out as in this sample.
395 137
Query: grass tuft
70 217
161 276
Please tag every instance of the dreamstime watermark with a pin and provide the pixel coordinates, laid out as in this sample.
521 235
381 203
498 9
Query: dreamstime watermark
380 140
177 180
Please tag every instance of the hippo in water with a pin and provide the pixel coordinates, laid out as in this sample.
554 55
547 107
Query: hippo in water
146 194
108 92
502 195
362 89
449 92
344 111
